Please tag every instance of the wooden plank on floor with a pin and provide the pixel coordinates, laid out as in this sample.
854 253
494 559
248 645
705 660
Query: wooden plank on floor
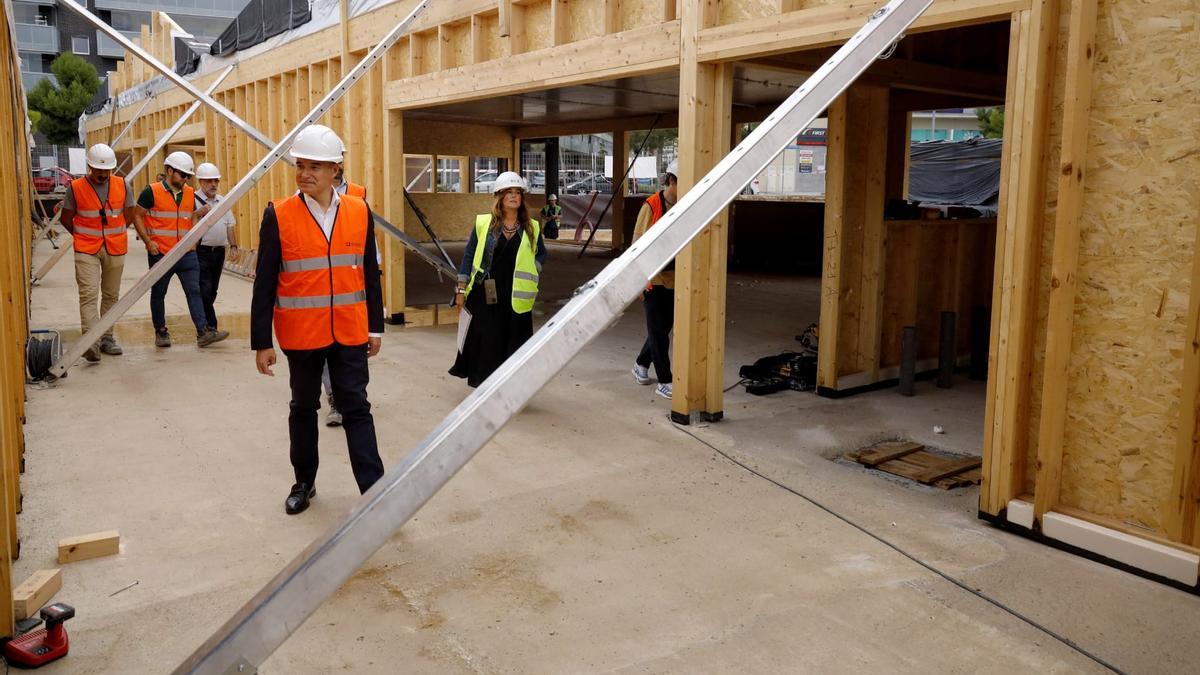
883 452
35 592
948 468
83 547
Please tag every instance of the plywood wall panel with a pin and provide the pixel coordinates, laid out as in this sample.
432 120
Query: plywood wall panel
585 19
1137 234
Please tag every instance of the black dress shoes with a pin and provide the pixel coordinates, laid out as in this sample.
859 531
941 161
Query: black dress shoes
297 500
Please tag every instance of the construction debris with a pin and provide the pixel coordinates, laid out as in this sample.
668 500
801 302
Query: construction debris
83 547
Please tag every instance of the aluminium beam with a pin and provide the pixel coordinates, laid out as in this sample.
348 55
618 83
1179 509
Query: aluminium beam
174 129
171 75
129 125
282 606
239 190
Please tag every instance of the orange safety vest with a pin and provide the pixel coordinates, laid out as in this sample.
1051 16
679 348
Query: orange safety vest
99 223
322 293
168 222
656 207
356 190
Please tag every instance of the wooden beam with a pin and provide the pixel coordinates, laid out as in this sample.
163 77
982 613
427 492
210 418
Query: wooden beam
718 251
35 592
1018 256
903 74
899 144
445 48
833 25
478 41
612 17
596 126
1064 266
393 203
640 51
831 258
558 22
516 28
873 165
84 547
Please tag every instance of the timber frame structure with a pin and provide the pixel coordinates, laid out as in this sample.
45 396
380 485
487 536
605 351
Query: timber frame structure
1092 432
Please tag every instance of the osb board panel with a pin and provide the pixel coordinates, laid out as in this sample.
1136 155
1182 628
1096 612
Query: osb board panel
638 13
401 66
537 26
429 45
460 44
426 137
493 44
585 19
1137 232
451 215
901 270
734 11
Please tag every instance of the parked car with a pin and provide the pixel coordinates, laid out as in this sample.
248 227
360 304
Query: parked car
484 182
599 183
52 179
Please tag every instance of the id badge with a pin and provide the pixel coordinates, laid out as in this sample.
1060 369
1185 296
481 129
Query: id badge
489 291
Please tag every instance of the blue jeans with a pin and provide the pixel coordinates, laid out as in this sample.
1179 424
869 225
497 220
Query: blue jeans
188 271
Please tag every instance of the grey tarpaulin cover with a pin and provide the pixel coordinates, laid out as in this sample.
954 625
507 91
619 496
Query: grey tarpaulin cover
955 172
259 21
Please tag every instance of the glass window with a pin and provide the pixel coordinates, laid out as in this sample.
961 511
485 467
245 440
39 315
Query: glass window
418 173
449 174
81 45
485 171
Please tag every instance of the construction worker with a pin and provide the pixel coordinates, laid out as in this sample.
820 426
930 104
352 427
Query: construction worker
211 251
498 281
317 284
95 211
551 217
659 296
345 187
164 214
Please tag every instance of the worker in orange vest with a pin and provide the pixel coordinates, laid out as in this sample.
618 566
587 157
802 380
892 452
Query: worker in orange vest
317 284
333 418
659 296
95 211
164 215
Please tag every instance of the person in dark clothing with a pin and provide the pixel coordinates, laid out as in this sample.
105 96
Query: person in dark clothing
317 284
498 282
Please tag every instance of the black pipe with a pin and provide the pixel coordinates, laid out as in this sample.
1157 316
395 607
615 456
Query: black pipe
947 351
981 335
908 360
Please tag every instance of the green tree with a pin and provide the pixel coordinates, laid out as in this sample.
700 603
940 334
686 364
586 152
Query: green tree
60 104
656 140
991 121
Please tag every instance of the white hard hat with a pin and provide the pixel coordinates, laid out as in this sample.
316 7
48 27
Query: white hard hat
100 156
181 162
673 168
318 143
552 198
509 179
208 171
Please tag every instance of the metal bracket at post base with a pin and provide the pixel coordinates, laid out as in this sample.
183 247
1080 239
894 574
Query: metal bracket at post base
243 186
283 605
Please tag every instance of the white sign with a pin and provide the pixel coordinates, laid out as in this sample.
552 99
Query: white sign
78 158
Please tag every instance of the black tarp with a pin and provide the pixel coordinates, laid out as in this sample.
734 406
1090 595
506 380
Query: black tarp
955 172
260 21
187 59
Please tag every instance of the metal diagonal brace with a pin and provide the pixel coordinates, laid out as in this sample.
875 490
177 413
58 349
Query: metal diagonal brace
166 137
171 75
239 190
264 623
129 125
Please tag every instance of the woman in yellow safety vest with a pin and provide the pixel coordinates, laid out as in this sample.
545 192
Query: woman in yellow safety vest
498 282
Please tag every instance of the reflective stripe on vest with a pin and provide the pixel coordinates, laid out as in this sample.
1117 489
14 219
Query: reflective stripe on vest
168 222
99 225
322 292
526 272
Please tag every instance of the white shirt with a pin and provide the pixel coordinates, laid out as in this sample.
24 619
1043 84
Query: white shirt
325 218
218 234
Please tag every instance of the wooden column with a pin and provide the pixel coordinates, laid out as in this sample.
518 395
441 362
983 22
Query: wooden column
1064 268
1018 254
705 95
620 140
392 157
853 260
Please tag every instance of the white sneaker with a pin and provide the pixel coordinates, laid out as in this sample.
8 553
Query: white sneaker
641 375
663 390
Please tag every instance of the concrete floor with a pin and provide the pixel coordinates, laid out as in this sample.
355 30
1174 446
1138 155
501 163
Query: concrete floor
591 535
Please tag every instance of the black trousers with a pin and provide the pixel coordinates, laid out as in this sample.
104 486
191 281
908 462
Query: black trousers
212 262
660 317
348 371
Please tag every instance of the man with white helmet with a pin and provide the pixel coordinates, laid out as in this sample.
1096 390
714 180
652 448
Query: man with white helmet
659 296
164 215
96 210
211 251
317 289
551 217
